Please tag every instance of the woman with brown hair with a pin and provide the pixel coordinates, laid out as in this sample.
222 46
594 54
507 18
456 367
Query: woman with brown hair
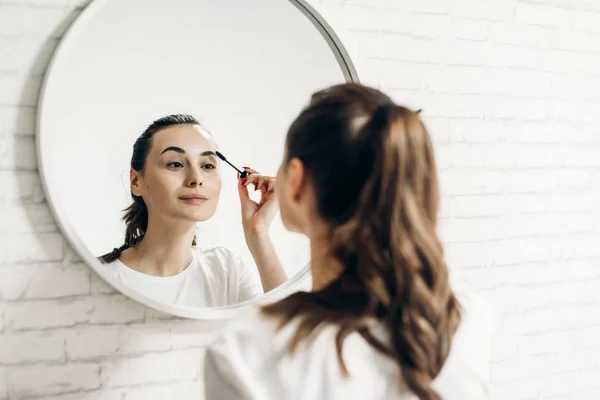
381 322
175 183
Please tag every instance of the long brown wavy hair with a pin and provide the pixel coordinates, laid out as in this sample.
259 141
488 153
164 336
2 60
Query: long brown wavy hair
371 163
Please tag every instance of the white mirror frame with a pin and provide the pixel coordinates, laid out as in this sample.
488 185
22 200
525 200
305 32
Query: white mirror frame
297 282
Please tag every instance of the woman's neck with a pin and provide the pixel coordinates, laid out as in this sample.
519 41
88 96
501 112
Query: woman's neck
166 248
324 267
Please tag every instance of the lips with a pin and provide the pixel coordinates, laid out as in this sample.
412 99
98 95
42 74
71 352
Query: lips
193 198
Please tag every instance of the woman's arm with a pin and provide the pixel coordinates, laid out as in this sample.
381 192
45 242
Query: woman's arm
269 267
256 219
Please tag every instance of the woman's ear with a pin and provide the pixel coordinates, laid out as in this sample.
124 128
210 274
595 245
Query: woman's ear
134 182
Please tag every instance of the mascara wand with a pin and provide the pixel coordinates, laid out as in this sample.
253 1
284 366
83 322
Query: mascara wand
243 174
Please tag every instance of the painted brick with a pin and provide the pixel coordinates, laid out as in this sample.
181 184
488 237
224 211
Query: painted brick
510 94
41 380
157 367
32 347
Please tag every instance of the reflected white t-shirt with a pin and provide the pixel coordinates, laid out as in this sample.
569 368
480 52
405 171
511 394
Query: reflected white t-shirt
252 361
215 277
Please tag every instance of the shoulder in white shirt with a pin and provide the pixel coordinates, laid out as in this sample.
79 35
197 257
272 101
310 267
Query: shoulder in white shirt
251 361
215 277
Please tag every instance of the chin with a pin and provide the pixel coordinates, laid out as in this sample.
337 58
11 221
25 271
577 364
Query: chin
200 217
197 215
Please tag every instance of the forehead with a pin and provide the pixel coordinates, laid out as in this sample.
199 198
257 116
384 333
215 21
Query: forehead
188 137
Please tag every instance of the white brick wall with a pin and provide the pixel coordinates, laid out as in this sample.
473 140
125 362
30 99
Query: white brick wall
511 92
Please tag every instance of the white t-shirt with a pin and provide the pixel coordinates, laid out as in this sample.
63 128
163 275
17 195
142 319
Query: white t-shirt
251 361
215 277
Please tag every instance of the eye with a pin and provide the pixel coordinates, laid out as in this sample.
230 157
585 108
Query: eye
209 166
175 164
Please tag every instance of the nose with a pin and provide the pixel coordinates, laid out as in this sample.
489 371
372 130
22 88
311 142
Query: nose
194 178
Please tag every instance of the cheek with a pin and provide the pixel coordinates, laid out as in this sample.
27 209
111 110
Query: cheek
214 183
285 213
280 186
282 197
165 182
160 186
278 183
279 191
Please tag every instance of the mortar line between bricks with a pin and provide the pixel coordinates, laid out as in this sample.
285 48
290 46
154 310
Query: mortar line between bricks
551 375
141 320
540 236
67 299
572 330
490 218
100 359
102 387
173 323
571 304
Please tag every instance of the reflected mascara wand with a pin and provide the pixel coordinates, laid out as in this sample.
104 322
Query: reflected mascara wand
243 174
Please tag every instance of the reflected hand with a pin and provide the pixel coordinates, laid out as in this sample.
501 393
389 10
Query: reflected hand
257 217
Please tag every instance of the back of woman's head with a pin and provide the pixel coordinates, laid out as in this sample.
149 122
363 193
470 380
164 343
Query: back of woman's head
136 215
372 168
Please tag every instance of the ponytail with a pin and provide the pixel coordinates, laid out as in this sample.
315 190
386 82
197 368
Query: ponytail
383 232
136 223
136 220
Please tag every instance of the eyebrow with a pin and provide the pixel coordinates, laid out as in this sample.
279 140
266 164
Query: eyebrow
182 151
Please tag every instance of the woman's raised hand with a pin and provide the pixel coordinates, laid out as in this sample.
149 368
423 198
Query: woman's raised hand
257 217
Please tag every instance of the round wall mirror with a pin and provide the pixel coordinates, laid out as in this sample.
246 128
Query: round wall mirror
149 112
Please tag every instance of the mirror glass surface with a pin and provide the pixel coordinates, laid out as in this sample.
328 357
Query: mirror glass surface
243 69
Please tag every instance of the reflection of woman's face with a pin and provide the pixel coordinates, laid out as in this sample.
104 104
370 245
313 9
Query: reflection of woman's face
181 178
